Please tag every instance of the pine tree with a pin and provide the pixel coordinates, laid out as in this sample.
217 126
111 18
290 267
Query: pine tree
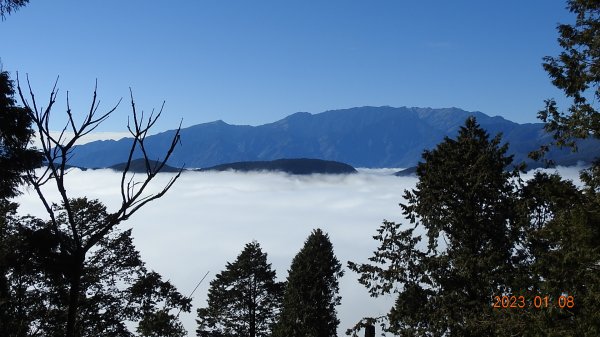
464 202
311 292
244 299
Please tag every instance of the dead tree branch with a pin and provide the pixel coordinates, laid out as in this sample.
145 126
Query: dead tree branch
57 152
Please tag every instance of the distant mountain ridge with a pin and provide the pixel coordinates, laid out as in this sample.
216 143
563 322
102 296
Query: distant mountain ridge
372 137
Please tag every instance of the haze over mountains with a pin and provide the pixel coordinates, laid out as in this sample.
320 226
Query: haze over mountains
372 137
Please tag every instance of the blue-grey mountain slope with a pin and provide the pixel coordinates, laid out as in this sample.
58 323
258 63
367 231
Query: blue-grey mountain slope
362 137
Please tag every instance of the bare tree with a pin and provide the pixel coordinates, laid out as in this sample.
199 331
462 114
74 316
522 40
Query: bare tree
58 150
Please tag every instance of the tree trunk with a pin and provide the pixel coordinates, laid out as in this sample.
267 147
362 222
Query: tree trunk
74 293
253 308
252 318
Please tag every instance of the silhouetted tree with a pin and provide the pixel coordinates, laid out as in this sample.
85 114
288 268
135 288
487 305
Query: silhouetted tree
311 292
19 303
15 160
16 157
564 226
562 257
244 299
9 6
465 203
575 71
82 238
115 288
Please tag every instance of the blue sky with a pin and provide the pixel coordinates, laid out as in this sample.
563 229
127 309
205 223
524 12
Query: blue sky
253 62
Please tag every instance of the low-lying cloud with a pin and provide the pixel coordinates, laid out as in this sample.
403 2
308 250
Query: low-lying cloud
205 220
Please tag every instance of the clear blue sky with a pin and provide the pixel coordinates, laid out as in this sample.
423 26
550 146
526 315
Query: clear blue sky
253 62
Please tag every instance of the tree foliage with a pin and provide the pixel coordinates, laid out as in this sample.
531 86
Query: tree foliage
9 6
115 286
16 157
80 234
15 160
576 71
464 202
562 234
563 227
244 299
485 233
75 274
311 292
57 284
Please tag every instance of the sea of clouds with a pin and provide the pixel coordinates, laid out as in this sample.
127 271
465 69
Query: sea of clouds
206 218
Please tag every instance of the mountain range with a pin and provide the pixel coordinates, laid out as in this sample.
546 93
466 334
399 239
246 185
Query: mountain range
373 137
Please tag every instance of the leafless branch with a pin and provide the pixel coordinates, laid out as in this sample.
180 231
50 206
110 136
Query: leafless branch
58 152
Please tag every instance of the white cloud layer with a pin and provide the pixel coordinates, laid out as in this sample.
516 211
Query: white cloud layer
204 221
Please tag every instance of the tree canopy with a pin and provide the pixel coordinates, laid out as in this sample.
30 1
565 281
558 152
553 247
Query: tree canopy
576 71
16 156
244 299
9 6
16 159
76 274
48 269
311 292
464 203
80 234
480 234
562 258
562 230
115 286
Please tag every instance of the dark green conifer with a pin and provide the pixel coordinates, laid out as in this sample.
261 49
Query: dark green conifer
244 299
562 237
464 203
575 72
311 292
16 157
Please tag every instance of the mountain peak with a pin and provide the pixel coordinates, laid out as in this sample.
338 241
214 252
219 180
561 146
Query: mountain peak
299 115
